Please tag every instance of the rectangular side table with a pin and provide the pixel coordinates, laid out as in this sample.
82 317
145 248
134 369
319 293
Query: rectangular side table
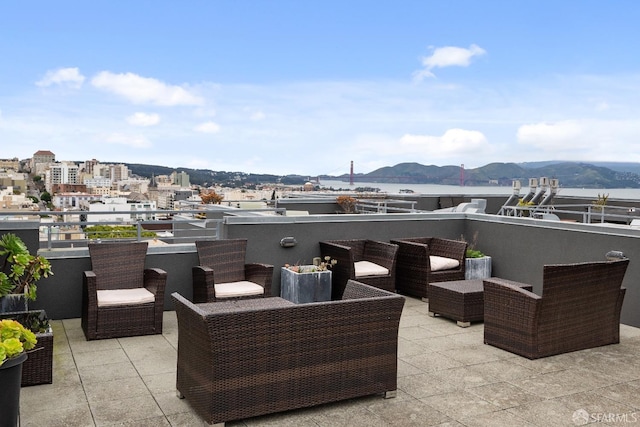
461 300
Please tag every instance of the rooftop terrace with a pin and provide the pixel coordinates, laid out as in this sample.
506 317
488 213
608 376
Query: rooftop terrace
446 377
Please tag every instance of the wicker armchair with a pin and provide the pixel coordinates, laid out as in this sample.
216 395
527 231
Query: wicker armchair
350 253
121 298
579 308
414 271
223 273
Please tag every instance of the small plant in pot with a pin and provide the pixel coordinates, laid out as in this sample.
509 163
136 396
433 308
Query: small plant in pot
472 252
477 264
20 269
15 339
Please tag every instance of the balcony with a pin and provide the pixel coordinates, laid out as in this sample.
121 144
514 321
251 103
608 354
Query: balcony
445 373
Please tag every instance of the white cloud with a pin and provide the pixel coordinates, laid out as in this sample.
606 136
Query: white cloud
448 56
143 119
453 141
208 127
144 90
551 135
63 76
134 141
257 116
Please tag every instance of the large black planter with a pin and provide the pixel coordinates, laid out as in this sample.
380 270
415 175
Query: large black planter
10 379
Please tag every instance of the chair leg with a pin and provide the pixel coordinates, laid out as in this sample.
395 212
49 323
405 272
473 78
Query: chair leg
390 394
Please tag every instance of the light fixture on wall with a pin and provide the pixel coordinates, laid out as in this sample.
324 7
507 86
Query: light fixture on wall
615 255
288 242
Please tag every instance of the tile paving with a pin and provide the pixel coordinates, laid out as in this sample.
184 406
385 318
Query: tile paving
446 377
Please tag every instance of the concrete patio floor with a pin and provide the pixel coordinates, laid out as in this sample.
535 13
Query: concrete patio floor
446 377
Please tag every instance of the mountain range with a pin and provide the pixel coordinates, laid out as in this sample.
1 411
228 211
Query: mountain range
569 174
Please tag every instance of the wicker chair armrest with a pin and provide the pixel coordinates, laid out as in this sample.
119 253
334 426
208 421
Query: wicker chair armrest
89 281
261 274
357 290
413 253
507 306
342 254
155 280
203 289
381 253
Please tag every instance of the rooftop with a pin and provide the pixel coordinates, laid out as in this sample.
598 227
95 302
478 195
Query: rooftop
446 377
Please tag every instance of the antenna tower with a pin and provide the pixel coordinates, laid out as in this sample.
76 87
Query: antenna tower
351 174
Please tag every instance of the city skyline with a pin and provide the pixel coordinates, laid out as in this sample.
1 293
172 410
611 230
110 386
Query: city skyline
287 87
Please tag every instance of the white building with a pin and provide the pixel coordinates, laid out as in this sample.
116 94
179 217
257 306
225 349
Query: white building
61 173
73 200
119 209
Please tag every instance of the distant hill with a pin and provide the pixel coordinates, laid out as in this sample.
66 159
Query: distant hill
206 177
632 167
569 174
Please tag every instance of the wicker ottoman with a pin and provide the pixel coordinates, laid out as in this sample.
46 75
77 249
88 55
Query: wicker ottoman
461 300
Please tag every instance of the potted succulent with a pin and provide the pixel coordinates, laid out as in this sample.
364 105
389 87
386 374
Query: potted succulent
477 264
307 283
19 274
15 340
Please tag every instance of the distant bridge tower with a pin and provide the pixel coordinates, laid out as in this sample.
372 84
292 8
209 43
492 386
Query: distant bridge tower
462 175
351 174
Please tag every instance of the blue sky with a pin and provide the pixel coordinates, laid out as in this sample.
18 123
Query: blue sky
305 87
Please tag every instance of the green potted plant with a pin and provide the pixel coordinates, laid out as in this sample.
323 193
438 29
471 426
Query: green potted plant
307 283
477 264
15 340
20 272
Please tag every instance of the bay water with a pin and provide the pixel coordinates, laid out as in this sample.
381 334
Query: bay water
454 190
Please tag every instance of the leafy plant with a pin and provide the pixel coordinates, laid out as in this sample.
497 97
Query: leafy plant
601 201
318 265
20 269
472 252
115 232
211 197
14 339
347 203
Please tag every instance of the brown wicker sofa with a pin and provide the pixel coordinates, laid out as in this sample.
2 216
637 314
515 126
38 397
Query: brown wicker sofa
243 358
413 268
579 308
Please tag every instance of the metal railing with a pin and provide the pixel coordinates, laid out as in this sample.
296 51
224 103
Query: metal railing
64 229
586 213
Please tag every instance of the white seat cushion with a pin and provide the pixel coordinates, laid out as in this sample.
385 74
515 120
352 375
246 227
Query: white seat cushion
242 288
442 263
368 268
113 297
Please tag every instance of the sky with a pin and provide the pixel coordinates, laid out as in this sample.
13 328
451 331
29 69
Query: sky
307 86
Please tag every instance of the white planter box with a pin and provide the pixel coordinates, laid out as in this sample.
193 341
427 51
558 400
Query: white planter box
477 268
305 287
